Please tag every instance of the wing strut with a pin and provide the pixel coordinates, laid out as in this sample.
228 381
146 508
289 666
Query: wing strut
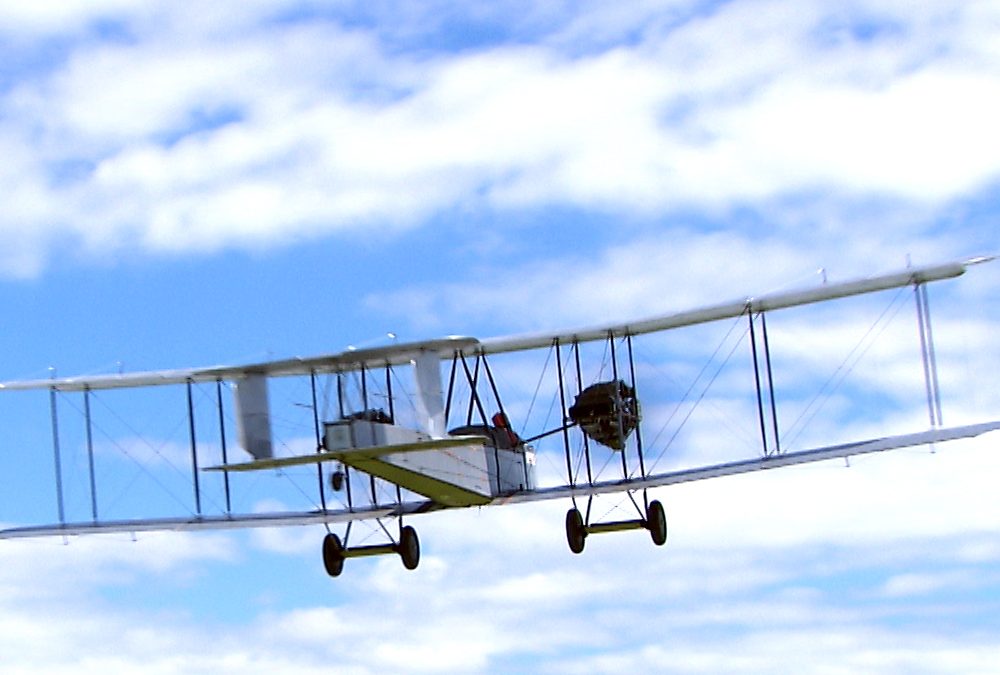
579 390
194 449
57 453
562 412
319 441
90 454
927 355
759 385
222 443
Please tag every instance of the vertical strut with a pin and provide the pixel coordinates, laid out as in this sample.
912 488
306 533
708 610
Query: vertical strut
388 392
222 442
635 392
319 439
579 388
340 395
347 469
564 416
933 356
451 388
770 383
618 406
90 454
768 372
927 355
756 375
194 449
57 453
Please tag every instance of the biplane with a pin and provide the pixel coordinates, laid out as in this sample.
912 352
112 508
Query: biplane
426 420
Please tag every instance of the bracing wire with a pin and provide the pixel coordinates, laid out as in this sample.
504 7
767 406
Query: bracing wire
701 396
846 367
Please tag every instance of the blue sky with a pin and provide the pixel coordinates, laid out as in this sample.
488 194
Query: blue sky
188 185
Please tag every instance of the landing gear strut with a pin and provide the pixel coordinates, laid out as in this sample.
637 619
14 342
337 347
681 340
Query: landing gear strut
335 553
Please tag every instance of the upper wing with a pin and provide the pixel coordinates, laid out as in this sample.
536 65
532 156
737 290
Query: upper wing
909 277
403 353
351 359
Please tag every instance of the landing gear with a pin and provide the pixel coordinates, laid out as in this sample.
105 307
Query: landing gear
337 481
409 548
656 522
576 531
335 553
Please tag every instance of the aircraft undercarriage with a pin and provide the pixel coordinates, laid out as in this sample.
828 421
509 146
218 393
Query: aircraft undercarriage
578 528
335 553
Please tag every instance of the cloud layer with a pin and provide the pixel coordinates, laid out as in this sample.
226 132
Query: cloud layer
165 131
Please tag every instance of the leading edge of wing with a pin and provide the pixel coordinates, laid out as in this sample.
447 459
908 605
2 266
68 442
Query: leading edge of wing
757 464
395 354
350 359
908 277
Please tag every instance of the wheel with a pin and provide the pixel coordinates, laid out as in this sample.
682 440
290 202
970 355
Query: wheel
576 534
409 548
333 555
656 521
337 481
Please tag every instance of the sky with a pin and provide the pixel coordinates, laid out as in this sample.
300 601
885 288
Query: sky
187 184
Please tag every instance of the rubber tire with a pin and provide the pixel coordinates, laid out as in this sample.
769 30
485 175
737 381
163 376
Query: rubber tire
337 481
333 555
656 521
409 548
576 534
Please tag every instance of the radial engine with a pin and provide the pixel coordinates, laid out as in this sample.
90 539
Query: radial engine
607 412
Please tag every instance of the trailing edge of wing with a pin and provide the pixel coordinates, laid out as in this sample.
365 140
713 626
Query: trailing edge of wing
760 463
356 453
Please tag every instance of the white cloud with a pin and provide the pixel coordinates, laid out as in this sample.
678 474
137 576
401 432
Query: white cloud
319 128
